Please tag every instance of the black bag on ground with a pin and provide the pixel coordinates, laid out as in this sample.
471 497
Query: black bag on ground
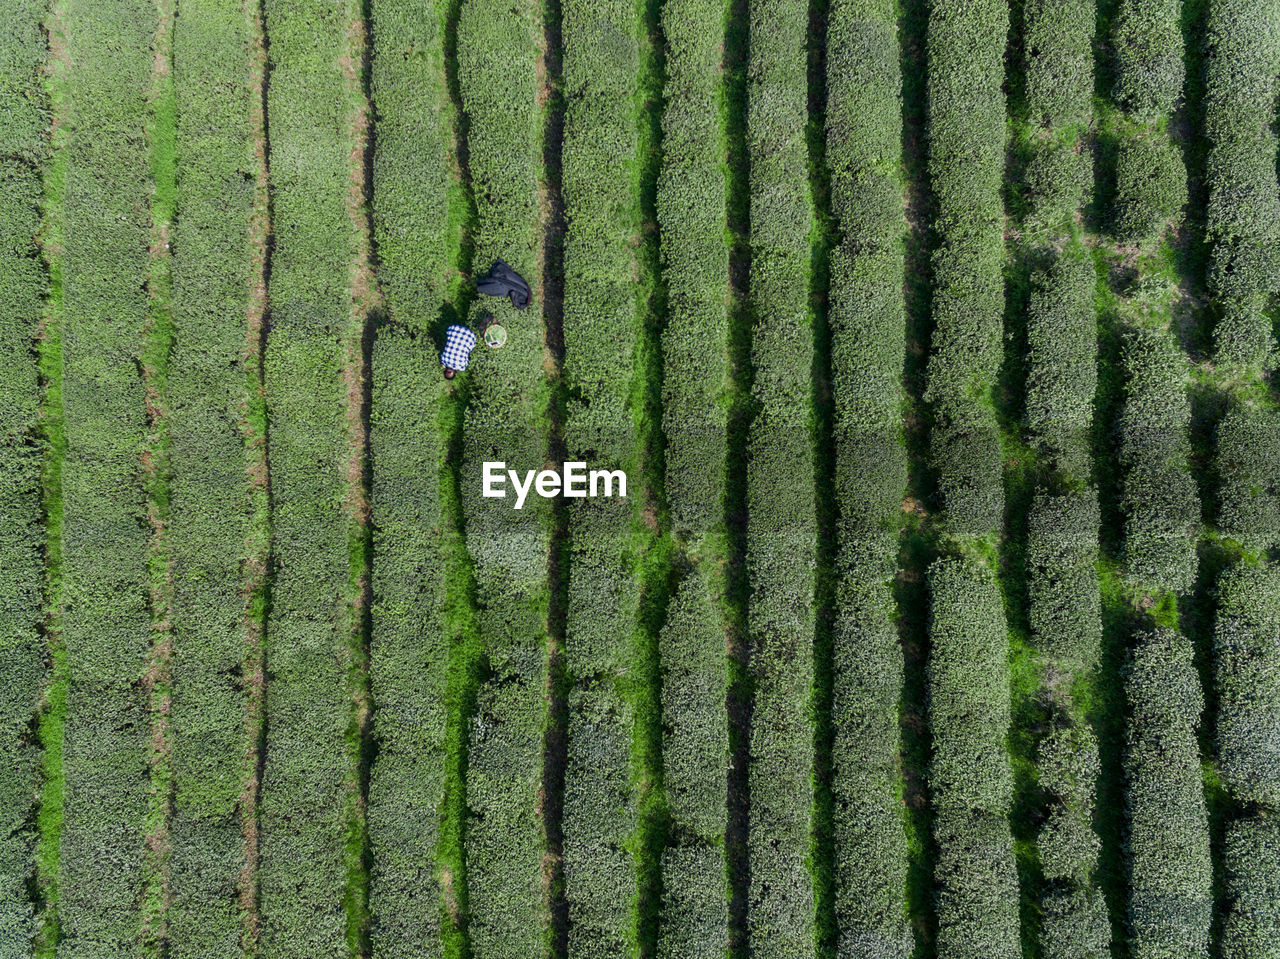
501 280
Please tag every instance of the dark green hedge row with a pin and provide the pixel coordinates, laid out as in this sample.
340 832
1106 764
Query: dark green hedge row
695 266
408 645
308 778
1251 856
504 420
693 903
1242 81
977 885
1058 181
1167 854
107 629
1249 477
1057 40
23 151
1247 679
781 535
870 845
207 390
1160 500
695 751
1151 185
599 818
1062 359
1062 553
1147 47
1075 924
1067 764
867 320
415 227
601 329
966 168
691 213
970 780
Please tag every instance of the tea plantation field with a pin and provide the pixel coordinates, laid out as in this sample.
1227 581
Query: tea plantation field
934 340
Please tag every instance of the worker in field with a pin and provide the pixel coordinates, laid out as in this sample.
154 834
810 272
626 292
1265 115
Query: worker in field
458 344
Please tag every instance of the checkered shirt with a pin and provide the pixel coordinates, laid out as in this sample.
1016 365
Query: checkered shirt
458 344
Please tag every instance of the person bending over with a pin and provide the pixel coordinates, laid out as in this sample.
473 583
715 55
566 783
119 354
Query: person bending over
458 344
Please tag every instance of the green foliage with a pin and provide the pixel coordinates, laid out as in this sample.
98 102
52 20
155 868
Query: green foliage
691 212
106 621
1062 553
1251 857
1247 679
309 779
409 642
1170 876
693 903
415 228
1058 179
1242 81
1075 925
977 885
1160 501
504 420
1249 477
1057 39
601 329
966 166
970 780
695 742
781 535
23 148
1062 359
695 266
207 393
1151 186
1068 767
867 321
1147 46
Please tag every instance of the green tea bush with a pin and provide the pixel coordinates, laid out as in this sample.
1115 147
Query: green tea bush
968 689
1062 359
106 623
691 212
1057 39
1251 857
23 151
408 641
601 329
1151 186
966 131
498 63
781 531
1062 581
1147 46
1246 654
308 778
1167 853
695 266
693 903
1075 925
1058 179
695 743
415 227
1068 766
599 817
1160 500
1242 81
1249 477
208 386
867 320
977 885
970 780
